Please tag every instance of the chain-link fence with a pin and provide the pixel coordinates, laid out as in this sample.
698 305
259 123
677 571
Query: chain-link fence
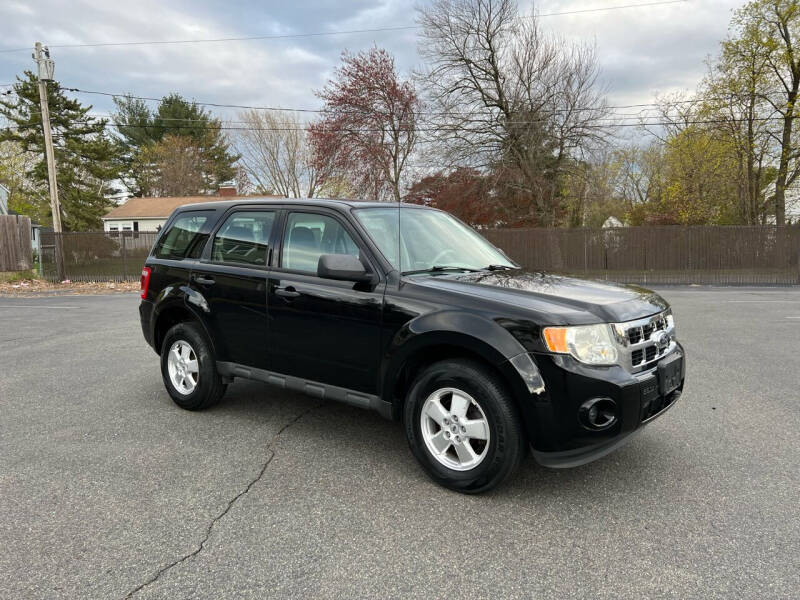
735 255
97 256
648 255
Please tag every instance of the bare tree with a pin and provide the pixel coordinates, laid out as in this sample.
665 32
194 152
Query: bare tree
276 156
640 175
175 166
507 97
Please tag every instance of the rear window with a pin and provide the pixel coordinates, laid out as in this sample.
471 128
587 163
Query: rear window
184 238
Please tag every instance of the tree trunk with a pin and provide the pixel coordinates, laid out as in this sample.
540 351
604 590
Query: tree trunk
783 165
396 191
752 188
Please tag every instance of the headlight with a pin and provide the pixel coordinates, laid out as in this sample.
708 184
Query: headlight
590 344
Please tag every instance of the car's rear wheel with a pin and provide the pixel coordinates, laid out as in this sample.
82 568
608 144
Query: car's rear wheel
188 368
463 427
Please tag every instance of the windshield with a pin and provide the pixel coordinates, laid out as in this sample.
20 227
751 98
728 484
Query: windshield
430 240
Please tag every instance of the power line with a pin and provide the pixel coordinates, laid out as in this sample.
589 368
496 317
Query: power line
463 116
216 105
325 33
226 39
417 129
427 113
607 8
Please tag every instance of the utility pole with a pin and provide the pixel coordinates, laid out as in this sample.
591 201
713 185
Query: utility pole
46 67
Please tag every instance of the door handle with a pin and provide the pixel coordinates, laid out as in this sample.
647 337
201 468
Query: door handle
287 292
202 280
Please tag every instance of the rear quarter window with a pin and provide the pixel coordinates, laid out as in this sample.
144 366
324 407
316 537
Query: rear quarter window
185 238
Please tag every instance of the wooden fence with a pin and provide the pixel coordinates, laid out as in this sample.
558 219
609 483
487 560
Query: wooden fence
16 253
735 255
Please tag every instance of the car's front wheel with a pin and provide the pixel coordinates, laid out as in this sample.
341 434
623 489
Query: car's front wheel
188 368
463 427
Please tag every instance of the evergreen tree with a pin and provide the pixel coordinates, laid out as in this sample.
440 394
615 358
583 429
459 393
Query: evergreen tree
145 133
85 156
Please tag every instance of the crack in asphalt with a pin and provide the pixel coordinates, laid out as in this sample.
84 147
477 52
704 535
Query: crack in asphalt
231 502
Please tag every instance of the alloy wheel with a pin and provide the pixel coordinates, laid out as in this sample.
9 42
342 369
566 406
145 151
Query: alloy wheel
455 429
184 371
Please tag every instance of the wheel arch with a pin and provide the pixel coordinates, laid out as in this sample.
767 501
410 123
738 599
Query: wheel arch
169 314
456 335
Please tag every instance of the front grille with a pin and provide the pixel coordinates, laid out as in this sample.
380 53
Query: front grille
641 340
636 357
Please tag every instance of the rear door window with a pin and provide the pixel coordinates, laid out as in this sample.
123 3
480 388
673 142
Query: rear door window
244 238
185 237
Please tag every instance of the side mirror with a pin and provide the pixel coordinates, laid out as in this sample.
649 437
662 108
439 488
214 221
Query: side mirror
342 267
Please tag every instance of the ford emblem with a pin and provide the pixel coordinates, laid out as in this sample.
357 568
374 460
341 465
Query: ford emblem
662 340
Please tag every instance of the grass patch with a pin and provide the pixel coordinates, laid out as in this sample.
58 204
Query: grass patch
14 276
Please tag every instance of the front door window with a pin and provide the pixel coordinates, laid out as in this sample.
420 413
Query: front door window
309 236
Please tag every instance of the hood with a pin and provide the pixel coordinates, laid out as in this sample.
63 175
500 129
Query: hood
557 300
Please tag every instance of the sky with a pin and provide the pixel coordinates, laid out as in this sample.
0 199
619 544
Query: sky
642 51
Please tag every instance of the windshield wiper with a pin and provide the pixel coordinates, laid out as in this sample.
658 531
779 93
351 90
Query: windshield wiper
439 269
497 268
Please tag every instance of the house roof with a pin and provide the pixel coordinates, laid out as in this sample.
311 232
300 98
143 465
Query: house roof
159 208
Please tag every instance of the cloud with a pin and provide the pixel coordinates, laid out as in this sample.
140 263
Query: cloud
642 51
648 50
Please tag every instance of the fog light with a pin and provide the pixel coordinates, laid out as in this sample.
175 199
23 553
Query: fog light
598 414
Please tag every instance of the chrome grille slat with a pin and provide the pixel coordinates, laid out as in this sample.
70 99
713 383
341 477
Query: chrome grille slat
639 351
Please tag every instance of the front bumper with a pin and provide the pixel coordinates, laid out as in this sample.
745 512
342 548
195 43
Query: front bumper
558 436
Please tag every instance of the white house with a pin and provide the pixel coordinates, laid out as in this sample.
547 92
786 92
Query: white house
150 214
3 199
793 205
147 214
612 221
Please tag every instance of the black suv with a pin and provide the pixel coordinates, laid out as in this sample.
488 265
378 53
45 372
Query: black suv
407 311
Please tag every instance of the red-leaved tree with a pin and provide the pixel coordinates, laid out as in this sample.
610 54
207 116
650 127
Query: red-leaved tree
368 128
464 192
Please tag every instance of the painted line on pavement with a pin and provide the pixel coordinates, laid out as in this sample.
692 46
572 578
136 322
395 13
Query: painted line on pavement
36 306
749 301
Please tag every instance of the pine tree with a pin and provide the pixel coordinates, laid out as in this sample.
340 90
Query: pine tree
86 158
145 134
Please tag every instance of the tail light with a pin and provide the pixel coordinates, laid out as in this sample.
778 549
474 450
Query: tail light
145 283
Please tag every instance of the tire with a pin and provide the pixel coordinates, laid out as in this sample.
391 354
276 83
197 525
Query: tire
194 384
452 383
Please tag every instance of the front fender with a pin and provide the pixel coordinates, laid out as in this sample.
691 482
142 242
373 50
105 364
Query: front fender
473 333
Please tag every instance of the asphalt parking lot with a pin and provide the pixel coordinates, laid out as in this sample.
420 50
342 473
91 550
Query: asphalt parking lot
108 490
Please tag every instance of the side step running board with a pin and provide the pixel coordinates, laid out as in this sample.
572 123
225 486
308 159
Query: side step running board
310 388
